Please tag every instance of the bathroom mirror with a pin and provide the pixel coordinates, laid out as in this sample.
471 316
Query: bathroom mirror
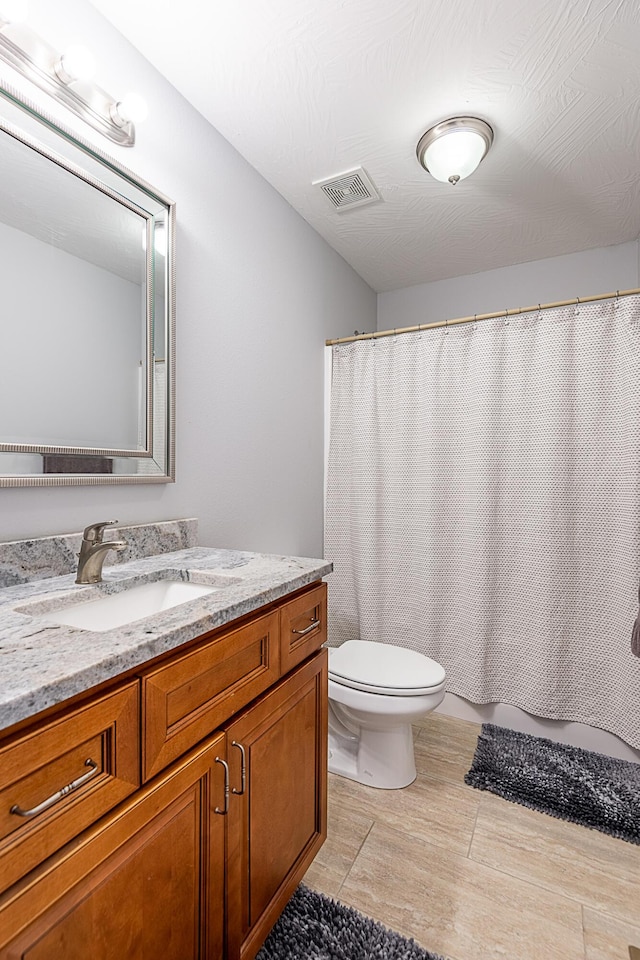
87 308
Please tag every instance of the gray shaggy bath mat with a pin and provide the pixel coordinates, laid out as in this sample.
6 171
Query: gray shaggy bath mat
313 927
588 788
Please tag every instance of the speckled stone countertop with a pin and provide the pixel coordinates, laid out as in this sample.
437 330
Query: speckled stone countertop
42 663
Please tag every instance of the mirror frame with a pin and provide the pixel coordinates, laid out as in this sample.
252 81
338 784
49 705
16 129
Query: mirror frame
124 176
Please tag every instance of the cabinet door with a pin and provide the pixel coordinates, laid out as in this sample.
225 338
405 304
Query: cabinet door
278 817
147 882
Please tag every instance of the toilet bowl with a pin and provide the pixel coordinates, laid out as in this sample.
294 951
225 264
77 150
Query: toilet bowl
376 691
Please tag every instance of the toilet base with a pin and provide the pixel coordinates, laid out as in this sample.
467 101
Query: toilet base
377 758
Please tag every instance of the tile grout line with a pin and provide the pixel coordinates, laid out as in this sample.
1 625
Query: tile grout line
539 883
578 931
611 916
540 886
346 876
490 868
473 832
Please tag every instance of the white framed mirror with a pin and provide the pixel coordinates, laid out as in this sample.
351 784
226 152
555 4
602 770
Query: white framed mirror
87 315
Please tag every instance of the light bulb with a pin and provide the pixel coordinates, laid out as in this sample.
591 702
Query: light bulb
76 63
14 11
131 109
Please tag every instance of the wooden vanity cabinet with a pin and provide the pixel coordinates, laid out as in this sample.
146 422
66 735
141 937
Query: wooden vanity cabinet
199 861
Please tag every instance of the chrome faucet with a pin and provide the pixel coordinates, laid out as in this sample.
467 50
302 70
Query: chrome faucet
94 550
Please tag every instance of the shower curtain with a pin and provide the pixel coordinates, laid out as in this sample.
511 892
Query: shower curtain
483 506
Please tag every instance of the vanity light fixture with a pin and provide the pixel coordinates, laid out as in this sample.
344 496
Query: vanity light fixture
66 77
453 149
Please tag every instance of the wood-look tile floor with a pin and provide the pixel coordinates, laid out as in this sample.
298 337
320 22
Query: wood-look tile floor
471 876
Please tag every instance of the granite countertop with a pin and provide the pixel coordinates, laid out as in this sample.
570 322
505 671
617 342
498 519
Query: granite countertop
42 663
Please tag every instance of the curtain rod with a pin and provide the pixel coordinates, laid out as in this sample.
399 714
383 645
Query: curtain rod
483 316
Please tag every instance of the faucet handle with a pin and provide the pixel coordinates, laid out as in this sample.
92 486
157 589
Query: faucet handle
93 533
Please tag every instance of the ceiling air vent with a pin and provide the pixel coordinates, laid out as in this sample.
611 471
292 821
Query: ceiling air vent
348 190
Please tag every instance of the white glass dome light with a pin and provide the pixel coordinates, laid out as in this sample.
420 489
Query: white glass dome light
453 149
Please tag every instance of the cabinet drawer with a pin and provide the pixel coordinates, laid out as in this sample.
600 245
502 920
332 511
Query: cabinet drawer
58 778
189 697
303 626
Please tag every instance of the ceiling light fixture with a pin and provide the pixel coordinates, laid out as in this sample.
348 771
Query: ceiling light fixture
453 149
66 77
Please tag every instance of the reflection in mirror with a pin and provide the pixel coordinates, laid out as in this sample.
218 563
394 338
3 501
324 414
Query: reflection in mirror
86 358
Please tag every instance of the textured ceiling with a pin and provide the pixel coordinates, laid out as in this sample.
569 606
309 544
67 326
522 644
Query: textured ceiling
306 89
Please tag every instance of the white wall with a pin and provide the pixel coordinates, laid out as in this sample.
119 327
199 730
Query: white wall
541 281
258 292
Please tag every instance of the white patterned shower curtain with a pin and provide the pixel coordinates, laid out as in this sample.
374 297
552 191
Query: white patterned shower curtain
483 506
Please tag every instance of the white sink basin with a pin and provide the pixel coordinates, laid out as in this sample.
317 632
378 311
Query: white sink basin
130 605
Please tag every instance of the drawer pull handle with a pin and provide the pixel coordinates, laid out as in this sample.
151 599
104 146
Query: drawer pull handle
226 787
243 775
59 794
312 626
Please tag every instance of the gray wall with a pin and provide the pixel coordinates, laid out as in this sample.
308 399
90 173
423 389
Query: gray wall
258 292
541 281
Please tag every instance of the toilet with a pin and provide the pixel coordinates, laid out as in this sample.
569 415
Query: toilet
376 691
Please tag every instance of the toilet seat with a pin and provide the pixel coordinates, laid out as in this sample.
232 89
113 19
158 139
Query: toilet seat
385 669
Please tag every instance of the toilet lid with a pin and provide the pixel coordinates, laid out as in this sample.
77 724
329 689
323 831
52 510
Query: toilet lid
384 668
